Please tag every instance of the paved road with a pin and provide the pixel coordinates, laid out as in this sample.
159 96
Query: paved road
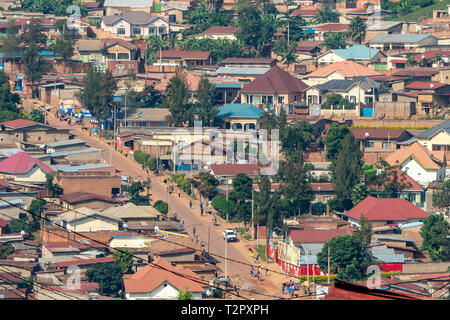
238 272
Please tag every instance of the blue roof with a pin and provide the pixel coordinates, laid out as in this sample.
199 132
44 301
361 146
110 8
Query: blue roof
242 71
236 85
69 168
240 110
11 202
398 38
357 52
410 224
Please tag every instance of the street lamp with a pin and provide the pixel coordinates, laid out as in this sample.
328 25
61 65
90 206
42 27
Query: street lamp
253 218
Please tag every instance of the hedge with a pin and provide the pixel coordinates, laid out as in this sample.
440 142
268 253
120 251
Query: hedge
161 206
140 157
222 205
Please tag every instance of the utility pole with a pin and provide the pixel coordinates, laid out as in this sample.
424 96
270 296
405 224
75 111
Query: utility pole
328 264
253 218
226 259
307 270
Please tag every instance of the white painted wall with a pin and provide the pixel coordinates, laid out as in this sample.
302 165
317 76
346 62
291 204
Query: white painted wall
418 173
165 291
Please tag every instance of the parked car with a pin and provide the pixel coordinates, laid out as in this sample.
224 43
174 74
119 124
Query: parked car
230 235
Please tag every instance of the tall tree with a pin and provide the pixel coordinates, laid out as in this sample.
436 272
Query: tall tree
357 30
35 65
97 93
11 43
296 187
286 50
124 258
359 193
364 236
296 137
435 237
206 105
177 99
208 184
240 196
334 40
327 14
441 198
6 249
65 47
108 276
333 141
347 258
254 33
346 172
391 180
8 100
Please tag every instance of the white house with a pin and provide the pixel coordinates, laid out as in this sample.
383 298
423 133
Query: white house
88 220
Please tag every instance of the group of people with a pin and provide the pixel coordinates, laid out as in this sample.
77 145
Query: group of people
290 287
253 254
256 273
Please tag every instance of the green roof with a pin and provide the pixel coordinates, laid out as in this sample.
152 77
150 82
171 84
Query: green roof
357 52
240 110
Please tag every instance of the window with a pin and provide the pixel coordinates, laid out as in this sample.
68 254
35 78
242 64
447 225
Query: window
386 145
39 138
120 30
280 99
136 30
119 68
162 30
151 30
123 56
172 18
368 144
111 56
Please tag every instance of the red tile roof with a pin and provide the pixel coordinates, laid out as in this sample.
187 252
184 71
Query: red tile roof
126 44
304 12
21 162
404 179
381 209
316 236
84 262
425 85
152 275
275 80
84 196
322 186
377 133
417 152
332 27
3 184
431 54
18 123
416 71
234 169
200 55
221 30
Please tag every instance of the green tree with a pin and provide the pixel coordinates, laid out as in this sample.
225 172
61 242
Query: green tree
147 98
134 189
346 258
254 32
108 276
161 206
327 14
36 115
6 249
357 30
201 18
206 105
8 100
11 42
346 172
50 186
364 236
391 180
441 198
296 137
293 175
359 193
435 237
35 64
64 45
334 40
222 205
208 184
177 99
337 101
411 61
24 224
184 295
286 51
240 196
124 258
333 141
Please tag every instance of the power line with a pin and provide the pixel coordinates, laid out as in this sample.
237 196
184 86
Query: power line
133 256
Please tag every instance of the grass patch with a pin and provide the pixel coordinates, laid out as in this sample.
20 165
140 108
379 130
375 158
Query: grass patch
422 13
262 252
240 230
247 237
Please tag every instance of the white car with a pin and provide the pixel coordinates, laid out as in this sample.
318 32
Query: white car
230 235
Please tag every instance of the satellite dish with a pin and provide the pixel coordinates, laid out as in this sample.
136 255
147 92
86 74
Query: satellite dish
431 86
22 233
156 228
366 134
125 226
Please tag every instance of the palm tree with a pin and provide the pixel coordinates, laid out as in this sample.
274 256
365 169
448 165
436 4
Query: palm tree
357 30
411 61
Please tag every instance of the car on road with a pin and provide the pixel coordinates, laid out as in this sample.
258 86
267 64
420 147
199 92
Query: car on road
230 235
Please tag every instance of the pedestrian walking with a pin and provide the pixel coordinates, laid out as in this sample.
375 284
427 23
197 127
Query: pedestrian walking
179 193
289 289
190 204
201 211
258 275
252 272
201 205
193 230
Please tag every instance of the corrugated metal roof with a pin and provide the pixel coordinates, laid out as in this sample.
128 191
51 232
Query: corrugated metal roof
68 168
243 71
240 110
398 38
65 153
128 3
64 143
11 202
